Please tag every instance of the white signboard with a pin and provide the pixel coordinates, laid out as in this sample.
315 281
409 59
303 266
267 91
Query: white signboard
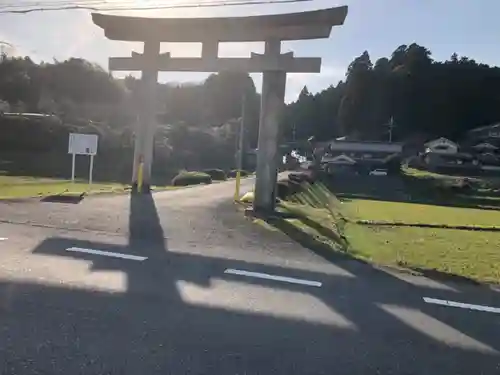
82 144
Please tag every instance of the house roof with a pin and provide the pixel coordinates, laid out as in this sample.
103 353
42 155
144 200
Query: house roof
495 126
486 145
339 159
458 155
441 140
365 146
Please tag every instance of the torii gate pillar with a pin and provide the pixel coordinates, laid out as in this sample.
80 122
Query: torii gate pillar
146 126
271 110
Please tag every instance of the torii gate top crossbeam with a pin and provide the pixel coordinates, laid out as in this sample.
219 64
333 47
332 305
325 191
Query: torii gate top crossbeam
292 26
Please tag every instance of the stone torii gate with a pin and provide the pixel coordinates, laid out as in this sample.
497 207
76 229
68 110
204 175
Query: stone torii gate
271 29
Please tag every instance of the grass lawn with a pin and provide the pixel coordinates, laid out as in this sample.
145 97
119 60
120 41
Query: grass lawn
470 254
27 187
411 213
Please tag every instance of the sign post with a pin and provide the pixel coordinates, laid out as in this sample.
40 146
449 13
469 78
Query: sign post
73 159
82 144
91 169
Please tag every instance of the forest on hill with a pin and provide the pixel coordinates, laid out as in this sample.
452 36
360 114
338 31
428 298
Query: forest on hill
424 98
199 122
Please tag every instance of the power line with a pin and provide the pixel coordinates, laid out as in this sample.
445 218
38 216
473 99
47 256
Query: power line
121 7
58 3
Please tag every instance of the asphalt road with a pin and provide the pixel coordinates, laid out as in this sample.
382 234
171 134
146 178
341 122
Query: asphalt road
215 294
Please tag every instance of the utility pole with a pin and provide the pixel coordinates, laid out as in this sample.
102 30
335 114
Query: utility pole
391 126
239 158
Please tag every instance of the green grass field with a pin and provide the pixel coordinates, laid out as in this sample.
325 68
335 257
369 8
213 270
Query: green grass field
414 213
16 187
27 187
20 187
465 253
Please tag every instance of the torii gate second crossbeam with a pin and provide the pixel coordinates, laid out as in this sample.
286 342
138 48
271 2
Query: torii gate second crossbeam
271 29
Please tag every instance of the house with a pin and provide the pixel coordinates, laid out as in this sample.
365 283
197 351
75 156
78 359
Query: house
363 150
339 159
441 146
489 134
360 156
484 148
474 158
443 153
459 159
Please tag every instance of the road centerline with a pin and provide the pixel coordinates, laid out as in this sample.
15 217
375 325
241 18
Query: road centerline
266 276
442 302
3 238
106 253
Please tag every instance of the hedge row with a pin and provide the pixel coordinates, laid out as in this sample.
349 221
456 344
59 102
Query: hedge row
185 178
216 174
243 173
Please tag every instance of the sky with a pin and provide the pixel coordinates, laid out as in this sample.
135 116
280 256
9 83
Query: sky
467 27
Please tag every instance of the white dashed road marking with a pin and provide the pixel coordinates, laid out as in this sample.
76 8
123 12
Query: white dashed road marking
106 253
3 238
273 277
461 305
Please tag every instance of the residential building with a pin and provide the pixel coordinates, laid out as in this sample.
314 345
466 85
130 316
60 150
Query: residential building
473 157
360 156
485 134
441 146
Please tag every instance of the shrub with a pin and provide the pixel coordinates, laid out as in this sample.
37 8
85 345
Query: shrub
243 173
216 174
191 178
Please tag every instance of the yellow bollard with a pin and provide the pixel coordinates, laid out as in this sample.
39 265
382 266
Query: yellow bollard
140 177
237 187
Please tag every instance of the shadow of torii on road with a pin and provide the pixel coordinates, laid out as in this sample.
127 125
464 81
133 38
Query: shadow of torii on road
377 340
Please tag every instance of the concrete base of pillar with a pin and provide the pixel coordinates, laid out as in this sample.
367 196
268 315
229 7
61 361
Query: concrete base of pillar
267 214
146 189
259 213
